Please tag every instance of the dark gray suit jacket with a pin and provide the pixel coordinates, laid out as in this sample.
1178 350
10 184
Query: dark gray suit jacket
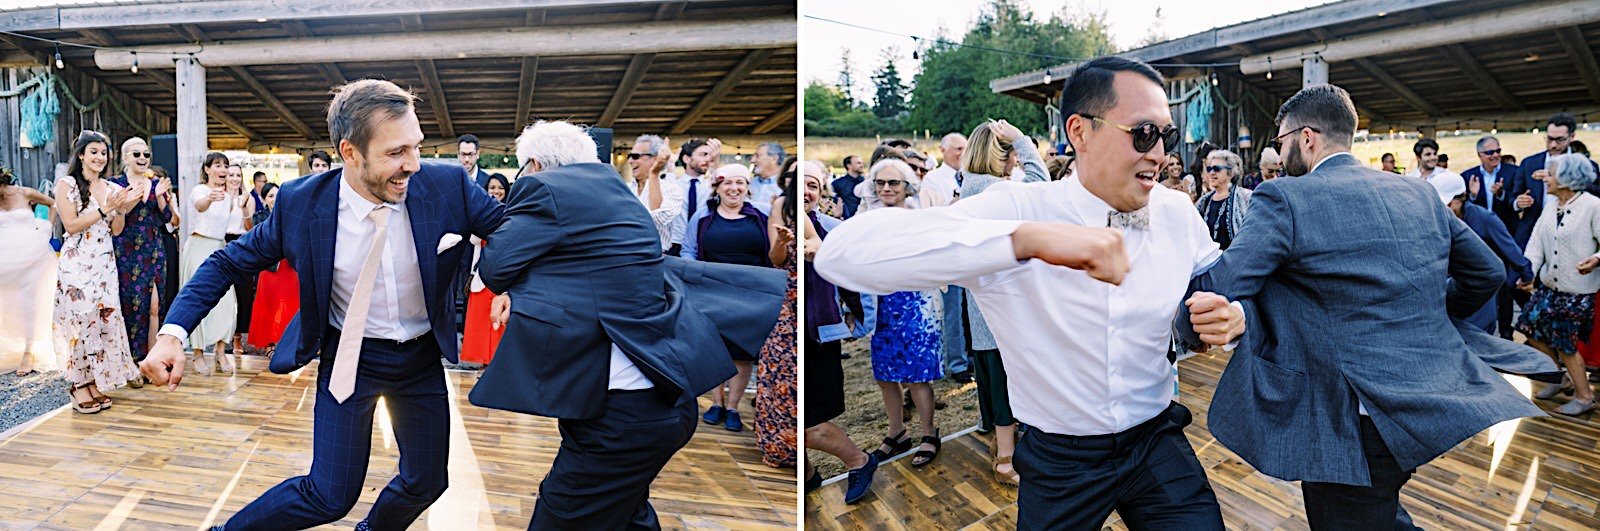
582 261
1345 275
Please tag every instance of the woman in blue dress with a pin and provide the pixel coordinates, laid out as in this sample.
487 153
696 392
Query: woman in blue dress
906 349
141 255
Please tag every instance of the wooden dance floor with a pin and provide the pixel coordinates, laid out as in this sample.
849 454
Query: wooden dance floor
1545 475
188 459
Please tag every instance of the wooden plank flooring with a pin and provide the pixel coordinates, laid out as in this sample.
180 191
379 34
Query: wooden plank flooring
1548 478
190 458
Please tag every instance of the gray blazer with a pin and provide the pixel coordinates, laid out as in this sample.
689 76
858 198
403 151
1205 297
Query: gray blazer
1341 273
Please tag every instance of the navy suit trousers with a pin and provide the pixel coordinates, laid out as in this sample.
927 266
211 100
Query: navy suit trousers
1148 474
601 477
1335 506
408 375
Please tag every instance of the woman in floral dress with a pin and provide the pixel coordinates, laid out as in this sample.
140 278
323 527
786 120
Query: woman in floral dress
90 336
141 255
776 387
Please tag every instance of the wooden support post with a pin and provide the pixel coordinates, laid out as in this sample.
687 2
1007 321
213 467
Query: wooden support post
191 132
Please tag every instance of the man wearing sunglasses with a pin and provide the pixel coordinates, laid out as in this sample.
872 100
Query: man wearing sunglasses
1343 253
1084 345
1487 188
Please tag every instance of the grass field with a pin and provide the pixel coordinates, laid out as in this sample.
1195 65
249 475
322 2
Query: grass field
1462 149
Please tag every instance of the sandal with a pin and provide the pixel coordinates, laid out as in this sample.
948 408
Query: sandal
1550 391
1006 478
923 457
88 407
105 401
813 482
898 444
1575 407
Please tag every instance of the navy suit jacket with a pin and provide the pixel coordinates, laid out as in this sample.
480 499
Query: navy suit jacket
582 261
1521 223
1500 205
1342 273
1493 232
482 179
304 228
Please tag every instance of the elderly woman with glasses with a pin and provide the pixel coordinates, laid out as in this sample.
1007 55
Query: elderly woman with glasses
141 254
1564 250
1225 204
906 348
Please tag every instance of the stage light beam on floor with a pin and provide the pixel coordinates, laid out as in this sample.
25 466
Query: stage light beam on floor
1500 435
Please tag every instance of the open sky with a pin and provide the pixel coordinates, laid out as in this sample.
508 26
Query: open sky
821 43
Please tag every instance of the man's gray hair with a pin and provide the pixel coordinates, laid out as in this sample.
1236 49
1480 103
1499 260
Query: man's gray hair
555 144
1572 171
774 148
906 174
945 142
1233 160
1485 140
655 143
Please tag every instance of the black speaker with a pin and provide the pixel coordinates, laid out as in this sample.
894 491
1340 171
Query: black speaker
602 143
164 153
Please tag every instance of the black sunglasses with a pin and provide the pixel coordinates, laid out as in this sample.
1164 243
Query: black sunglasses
890 183
1494 152
1277 142
140 154
636 156
1145 134
1218 169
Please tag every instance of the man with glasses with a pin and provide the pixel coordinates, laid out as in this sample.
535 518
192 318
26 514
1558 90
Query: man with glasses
1083 321
1343 418
467 154
1527 191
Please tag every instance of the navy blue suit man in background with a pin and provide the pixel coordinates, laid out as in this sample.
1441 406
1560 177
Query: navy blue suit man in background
1339 419
1489 186
844 187
605 333
467 154
377 244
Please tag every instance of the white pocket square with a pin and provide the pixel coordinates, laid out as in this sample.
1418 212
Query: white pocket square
447 241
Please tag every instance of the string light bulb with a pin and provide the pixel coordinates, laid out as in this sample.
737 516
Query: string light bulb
135 62
1269 74
59 63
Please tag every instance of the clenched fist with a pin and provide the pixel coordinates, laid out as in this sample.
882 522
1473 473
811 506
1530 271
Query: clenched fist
1096 251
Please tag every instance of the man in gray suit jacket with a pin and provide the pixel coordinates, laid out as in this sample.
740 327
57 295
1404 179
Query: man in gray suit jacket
1350 359
604 333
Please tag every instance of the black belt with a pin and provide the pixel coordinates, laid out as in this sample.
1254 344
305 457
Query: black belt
1175 413
388 342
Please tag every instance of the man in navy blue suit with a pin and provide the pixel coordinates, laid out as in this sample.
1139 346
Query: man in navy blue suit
604 333
376 243
1489 185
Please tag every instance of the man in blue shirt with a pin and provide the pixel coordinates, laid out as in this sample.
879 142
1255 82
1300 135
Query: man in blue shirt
844 188
764 183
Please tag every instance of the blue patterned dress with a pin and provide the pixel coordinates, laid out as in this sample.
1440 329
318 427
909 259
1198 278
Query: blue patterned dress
905 346
141 265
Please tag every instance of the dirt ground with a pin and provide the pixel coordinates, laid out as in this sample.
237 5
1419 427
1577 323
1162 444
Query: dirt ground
864 420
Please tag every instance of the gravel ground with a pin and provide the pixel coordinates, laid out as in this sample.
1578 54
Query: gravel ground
22 399
863 417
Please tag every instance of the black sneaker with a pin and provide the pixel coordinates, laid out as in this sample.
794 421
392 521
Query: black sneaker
963 377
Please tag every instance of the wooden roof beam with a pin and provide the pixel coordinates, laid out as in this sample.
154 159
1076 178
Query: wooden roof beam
528 78
1491 24
255 87
775 119
747 65
430 81
1577 48
1389 82
330 71
654 37
636 70
1461 58
74 17
169 81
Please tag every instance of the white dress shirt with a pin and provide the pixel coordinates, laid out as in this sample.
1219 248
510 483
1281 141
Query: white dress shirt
1085 357
398 310
213 223
702 191
673 199
939 187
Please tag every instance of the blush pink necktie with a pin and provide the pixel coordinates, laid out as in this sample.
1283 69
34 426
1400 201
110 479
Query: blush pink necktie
343 382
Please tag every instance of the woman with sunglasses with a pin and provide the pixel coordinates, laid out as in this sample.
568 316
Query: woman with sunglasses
1224 206
730 230
906 348
994 150
141 255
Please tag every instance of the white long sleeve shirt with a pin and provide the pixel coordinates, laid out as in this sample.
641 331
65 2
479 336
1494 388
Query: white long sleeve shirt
1084 357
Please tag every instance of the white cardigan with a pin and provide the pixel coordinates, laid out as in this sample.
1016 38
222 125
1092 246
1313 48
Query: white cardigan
1556 250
